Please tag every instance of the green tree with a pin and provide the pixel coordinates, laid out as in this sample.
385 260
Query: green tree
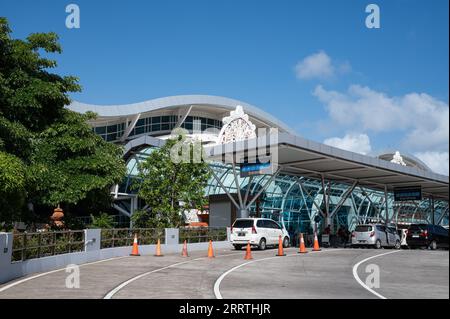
49 155
12 188
70 162
169 187
102 221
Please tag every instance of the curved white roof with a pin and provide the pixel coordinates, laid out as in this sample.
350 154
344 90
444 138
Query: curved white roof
174 102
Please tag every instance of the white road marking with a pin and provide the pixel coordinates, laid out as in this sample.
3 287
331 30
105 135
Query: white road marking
219 280
111 293
53 271
355 273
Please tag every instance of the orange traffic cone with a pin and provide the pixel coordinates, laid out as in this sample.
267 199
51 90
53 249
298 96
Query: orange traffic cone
302 249
316 243
135 250
248 253
210 250
158 249
280 247
184 253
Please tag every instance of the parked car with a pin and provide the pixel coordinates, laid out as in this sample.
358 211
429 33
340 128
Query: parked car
376 235
259 232
426 235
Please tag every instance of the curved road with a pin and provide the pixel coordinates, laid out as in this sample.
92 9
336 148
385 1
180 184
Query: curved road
329 273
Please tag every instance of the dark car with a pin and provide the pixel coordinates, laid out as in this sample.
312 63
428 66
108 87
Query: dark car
423 235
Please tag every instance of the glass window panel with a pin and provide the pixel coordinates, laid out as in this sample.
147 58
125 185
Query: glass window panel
112 128
156 127
139 130
166 119
156 119
100 130
111 137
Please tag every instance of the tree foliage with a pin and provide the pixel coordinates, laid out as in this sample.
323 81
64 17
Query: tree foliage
12 187
168 187
102 221
48 154
70 161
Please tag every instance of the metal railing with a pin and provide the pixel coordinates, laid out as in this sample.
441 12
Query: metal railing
43 244
119 221
202 234
119 237
29 245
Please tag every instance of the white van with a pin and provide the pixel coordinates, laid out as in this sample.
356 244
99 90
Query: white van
259 232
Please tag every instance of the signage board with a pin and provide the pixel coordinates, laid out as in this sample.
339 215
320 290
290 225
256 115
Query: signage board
407 193
249 169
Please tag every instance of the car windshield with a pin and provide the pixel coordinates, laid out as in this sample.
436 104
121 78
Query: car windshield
363 228
243 223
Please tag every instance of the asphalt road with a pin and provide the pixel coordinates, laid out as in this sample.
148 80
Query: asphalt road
330 273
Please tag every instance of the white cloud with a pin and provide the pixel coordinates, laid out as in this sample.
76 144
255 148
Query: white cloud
317 65
437 161
422 119
358 143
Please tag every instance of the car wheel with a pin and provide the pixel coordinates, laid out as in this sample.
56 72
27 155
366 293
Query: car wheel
238 247
398 245
378 244
262 244
433 245
285 242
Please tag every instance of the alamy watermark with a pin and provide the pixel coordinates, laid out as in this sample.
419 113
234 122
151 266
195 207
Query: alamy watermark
73 19
373 19
373 277
73 279
262 148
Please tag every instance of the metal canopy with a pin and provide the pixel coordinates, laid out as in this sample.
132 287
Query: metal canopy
298 156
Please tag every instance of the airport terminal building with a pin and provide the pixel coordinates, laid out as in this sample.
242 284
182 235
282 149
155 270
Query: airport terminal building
311 183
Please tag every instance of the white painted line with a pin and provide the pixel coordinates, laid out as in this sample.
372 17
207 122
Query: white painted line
355 273
119 287
111 293
53 271
219 280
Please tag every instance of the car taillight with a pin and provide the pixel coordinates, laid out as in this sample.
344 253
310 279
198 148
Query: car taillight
254 230
353 234
231 229
372 234
424 233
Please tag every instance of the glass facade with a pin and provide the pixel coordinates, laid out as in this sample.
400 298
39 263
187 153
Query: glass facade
298 200
156 125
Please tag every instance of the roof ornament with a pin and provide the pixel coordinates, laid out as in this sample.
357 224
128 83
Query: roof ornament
236 127
398 159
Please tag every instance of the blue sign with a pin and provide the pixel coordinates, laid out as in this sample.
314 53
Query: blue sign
248 169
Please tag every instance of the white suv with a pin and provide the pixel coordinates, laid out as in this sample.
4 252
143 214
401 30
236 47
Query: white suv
260 232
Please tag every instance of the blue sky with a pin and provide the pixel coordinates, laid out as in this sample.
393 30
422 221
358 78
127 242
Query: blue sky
307 62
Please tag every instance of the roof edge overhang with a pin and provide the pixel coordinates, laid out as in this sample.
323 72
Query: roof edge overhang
286 140
116 111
